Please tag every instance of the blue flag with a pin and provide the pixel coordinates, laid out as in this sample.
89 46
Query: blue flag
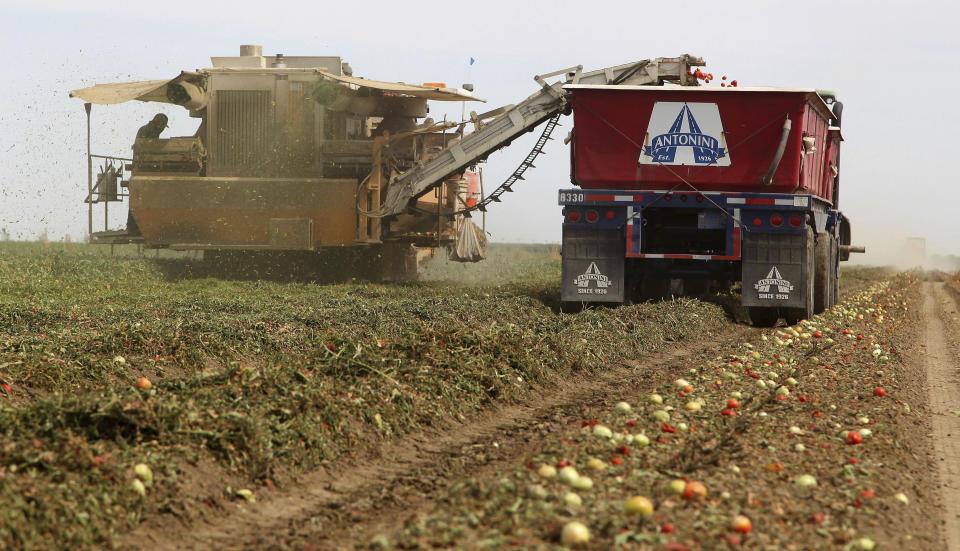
472 60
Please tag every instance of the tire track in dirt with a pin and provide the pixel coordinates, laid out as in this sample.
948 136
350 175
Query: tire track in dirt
940 313
511 435
354 501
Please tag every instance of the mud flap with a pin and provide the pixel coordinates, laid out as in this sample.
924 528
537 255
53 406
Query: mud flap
592 267
775 270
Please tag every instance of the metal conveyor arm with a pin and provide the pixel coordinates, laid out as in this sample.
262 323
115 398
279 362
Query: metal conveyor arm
522 117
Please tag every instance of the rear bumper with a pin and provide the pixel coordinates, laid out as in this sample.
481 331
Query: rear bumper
611 239
735 214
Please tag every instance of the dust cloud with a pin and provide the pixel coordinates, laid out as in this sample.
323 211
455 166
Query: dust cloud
901 249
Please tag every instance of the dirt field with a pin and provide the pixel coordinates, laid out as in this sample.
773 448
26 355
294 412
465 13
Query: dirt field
436 415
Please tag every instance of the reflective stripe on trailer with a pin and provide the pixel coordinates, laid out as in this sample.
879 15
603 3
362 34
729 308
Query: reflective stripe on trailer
631 247
639 198
760 201
616 198
798 201
736 241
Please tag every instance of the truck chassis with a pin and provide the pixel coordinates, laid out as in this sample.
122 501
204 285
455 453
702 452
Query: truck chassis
622 246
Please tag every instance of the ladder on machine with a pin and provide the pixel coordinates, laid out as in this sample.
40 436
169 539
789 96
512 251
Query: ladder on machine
506 186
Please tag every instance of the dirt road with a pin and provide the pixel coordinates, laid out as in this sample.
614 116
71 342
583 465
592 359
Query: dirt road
941 338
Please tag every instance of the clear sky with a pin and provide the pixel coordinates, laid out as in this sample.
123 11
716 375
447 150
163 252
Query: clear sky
893 64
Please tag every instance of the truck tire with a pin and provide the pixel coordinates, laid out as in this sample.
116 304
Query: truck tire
631 287
720 286
763 317
794 315
825 275
836 275
696 287
654 288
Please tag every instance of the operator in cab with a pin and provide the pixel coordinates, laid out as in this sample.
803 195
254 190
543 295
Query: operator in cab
153 128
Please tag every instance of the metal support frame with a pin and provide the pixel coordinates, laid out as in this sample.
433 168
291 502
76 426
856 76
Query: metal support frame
106 236
88 107
368 228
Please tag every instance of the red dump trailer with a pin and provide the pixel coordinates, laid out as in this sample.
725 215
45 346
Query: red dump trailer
681 188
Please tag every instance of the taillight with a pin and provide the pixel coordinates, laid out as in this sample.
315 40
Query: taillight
757 221
776 220
592 216
796 220
610 215
573 216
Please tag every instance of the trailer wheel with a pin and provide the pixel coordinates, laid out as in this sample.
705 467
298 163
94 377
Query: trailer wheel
762 316
794 315
825 274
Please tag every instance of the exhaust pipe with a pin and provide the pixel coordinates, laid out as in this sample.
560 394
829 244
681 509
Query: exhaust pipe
847 249
768 177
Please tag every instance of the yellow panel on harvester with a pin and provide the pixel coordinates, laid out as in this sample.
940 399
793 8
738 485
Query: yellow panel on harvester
195 212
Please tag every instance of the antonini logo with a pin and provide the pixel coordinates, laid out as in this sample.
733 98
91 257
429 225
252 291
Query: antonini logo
593 274
681 133
774 279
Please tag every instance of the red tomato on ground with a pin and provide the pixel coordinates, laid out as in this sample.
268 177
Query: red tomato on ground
741 524
694 490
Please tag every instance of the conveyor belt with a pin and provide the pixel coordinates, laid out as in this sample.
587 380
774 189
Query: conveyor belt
547 103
